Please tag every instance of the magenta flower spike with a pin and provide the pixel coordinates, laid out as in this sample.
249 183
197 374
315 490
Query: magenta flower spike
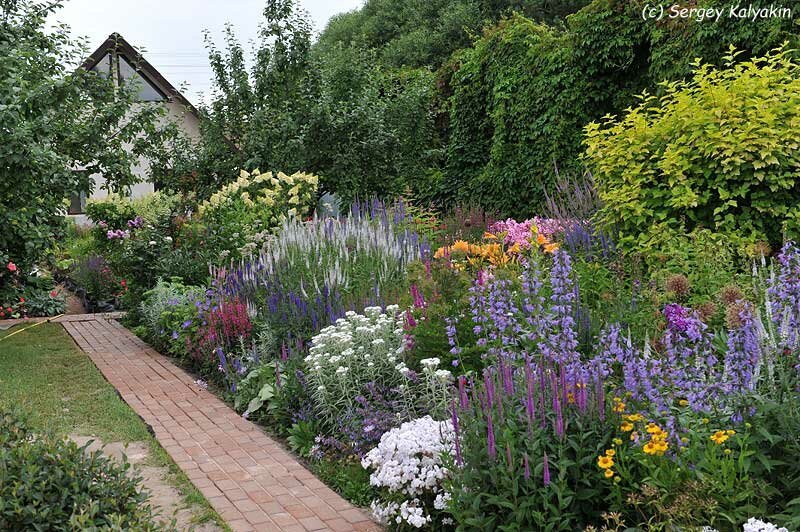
456 435
529 399
490 436
527 471
462 392
546 471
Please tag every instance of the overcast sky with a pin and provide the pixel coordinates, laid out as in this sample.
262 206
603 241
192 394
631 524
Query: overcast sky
170 31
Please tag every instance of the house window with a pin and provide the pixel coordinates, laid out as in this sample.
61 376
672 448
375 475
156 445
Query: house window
103 67
77 203
147 91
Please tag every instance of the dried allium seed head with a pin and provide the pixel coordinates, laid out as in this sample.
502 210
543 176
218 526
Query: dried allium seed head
760 249
706 311
733 313
730 294
678 284
649 492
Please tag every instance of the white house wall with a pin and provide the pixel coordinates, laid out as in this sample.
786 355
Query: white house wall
175 112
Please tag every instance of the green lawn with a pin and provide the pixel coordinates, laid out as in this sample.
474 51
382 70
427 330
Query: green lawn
43 371
61 390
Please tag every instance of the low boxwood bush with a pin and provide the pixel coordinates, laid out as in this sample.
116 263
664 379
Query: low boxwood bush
47 483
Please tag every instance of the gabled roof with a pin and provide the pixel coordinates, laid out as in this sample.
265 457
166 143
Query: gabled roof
116 42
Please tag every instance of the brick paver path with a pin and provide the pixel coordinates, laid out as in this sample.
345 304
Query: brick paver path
249 479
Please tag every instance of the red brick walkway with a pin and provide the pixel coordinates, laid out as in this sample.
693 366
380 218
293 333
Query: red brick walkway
250 480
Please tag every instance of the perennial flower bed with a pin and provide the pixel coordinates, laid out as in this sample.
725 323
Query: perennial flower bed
627 359
519 375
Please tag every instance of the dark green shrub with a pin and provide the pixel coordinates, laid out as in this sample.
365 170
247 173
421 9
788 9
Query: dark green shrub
55 120
719 151
521 96
52 484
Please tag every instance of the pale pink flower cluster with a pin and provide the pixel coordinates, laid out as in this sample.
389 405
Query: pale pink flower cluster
525 232
550 227
516 232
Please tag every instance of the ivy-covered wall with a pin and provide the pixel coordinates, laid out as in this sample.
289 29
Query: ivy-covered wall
522 94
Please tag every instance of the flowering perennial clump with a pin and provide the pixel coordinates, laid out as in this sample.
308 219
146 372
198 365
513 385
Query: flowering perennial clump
294 192
757 525
356 350
243 214
518 323
783 291
408 466
310 273
506 242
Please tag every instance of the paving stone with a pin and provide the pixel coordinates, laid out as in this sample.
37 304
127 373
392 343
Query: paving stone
247 477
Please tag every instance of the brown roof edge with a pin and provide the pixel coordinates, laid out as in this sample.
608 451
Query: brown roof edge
116 41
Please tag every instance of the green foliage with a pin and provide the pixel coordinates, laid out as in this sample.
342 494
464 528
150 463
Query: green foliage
520 94
778 422
676 42
520 97
160 299
114 210
710 482
371 131
255 391
302 436
363 130
57 118
163 309
40 302
418 34
718 151
48 483
710 261
346 477
491 494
